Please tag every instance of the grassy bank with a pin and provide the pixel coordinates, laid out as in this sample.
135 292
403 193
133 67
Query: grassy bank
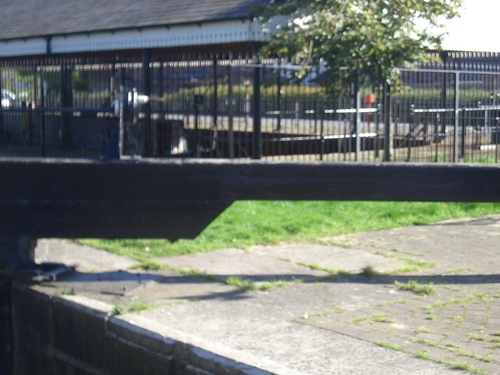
254 223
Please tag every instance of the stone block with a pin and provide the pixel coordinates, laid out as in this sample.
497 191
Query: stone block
142 332
79 329
201 359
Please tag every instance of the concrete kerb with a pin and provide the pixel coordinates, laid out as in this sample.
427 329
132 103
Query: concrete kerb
94 347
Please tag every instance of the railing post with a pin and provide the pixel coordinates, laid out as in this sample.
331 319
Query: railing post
387 107
66 101
497 140
278 97
198 102
42 115
444 83
216 93
297 113
257 138
357 121
121 125
1 110
146 60
322 138
457 116
410 140
230 110
15 254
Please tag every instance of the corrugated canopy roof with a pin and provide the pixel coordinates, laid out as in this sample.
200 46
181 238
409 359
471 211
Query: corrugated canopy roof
31 18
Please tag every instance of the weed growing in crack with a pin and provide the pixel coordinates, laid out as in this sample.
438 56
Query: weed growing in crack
422 354
388 345
422 329
369 272
357 321
463 365
416 287
382 318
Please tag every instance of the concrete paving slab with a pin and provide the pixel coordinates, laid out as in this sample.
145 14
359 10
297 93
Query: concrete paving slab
175 287
235 262
340 325
87 259
462 246
329 257
266 329
110 282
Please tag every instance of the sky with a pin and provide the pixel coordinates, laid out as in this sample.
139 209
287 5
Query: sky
477 30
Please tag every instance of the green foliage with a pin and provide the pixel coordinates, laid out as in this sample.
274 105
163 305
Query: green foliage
268 92
80 83
374 36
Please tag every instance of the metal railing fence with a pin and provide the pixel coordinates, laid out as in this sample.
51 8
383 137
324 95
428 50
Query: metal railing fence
209 107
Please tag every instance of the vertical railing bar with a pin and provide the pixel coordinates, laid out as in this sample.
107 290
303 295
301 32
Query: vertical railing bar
230 110
457 117
357 119
257 138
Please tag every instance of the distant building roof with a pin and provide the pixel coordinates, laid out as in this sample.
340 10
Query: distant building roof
59 26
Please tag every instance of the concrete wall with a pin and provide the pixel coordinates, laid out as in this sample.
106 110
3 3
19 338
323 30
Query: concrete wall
64 334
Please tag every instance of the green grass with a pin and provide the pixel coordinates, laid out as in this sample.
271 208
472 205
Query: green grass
463 365
382 318
149 266
369 272
465 301
357 321
248 223
422 329
388 345
423 354
333 272
65 291
140 306
241 283
410 265
246 284
416 287
135 307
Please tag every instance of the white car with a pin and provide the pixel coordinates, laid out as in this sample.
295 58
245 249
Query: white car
8 98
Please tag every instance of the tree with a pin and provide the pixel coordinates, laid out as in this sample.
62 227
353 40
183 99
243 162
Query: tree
374 36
